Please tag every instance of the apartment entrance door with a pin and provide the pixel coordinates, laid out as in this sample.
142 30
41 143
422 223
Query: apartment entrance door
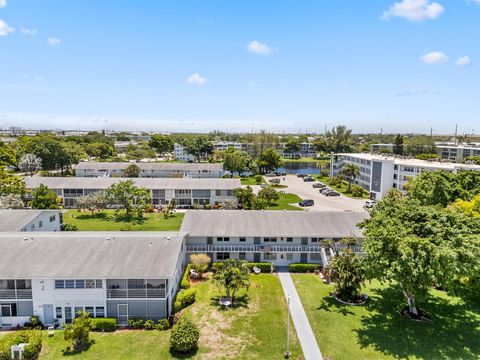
122 314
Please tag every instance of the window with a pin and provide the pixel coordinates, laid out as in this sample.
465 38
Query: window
58 312
314 240
242 256
69 284
78 310
90 284
59 284
289 256
242 239
223 238
270 256
315 256
52 218
89 310
99 312
79 284
23 284
289 239
223 256
270 239
40 223
99 284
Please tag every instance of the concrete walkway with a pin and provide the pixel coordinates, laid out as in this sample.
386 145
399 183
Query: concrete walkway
310 348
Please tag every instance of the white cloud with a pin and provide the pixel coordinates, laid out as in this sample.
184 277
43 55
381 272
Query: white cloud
258 47
5 29
475 1
3 3
197 79
435 57
464 60
414 10
52 41
27 31
417 91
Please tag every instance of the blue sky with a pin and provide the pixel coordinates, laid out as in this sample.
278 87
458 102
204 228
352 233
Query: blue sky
238 65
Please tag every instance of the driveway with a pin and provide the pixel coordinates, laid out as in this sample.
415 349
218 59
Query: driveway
322 202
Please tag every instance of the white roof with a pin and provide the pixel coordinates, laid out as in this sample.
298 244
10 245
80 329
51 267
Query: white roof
90 165
84 255
15 220
149 183
273 223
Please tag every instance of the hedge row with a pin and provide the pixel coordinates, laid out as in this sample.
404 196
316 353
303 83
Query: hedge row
304 268
104 324
185 284
263 266
184 298
32 337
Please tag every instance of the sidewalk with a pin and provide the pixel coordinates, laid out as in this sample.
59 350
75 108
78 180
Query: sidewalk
310 348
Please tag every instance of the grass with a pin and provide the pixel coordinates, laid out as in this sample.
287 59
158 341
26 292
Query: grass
250 180
284 202
343 188
253 329
105 221
377 331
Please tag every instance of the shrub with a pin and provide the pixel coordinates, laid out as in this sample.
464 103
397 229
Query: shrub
263 266
184 298
136 323
78 333
184 337
258 179
346 271
303 268
34 323
149 325
357 191
162 324
185 284
200 262
32 337
104 324
69 227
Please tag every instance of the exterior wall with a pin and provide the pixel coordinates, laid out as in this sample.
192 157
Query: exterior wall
181 153
151 173
457 153
45 221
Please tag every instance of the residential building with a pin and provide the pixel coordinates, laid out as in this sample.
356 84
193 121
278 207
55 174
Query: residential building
307 150
121 146
185 191
107 274
150 170
457 153
381 173
31 220
181 153
280 237
381 148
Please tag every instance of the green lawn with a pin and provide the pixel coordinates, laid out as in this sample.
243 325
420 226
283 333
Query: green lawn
250 180
254 329
377 331
284 202
104 221
341 189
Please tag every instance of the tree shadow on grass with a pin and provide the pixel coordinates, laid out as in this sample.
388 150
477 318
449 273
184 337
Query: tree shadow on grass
68 351
188 355
241 301
89 216
453 332
329 304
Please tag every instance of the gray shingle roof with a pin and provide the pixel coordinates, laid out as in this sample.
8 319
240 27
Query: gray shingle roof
149 166
15 220
273 223
135 255
149 183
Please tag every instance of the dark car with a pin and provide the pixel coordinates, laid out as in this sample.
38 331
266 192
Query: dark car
332 193
301 175
318 185
308 179
306 202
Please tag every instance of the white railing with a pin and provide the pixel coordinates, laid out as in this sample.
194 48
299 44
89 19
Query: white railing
255 248
16 294
135 293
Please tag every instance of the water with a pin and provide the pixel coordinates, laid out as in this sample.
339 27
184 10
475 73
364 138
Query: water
297 167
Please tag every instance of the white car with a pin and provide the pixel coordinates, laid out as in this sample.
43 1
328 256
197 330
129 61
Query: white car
369 204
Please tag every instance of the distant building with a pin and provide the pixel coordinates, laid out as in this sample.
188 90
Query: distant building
307 150
181 153
121 146
457 153
379 148
30 220
380 173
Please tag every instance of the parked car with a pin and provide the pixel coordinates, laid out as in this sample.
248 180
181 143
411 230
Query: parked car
308 179
318 185
324 190
270 174
369 204
332 193
306 202
301 175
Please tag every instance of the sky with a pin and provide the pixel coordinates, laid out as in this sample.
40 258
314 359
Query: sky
241 65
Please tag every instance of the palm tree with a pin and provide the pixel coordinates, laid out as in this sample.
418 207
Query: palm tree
350 171
231 276
339 139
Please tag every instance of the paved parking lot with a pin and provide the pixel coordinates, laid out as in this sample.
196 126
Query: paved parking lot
322 202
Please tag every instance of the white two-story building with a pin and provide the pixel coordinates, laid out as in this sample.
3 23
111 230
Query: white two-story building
31 220
107 274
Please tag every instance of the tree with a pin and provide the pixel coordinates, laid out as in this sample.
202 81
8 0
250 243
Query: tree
236 161
30 163
470 208
134 200
11 201
350 171
268 195
44 198
47 147
472 160
200 262
200 147
231 276
169 210
10 184
292 146
418 246
78 333
140 151
346 271
132 171
7 155
92 202
184 336
339 139
100 150
161 143
269 160
245 197
398 146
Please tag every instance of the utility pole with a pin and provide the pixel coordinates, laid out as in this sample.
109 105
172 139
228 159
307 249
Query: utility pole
456 131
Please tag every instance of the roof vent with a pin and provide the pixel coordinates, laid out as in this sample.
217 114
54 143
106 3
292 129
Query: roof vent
25 239
108 238
168 237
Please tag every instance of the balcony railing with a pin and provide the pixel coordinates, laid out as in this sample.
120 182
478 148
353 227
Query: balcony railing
25 294
255 248
135 293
